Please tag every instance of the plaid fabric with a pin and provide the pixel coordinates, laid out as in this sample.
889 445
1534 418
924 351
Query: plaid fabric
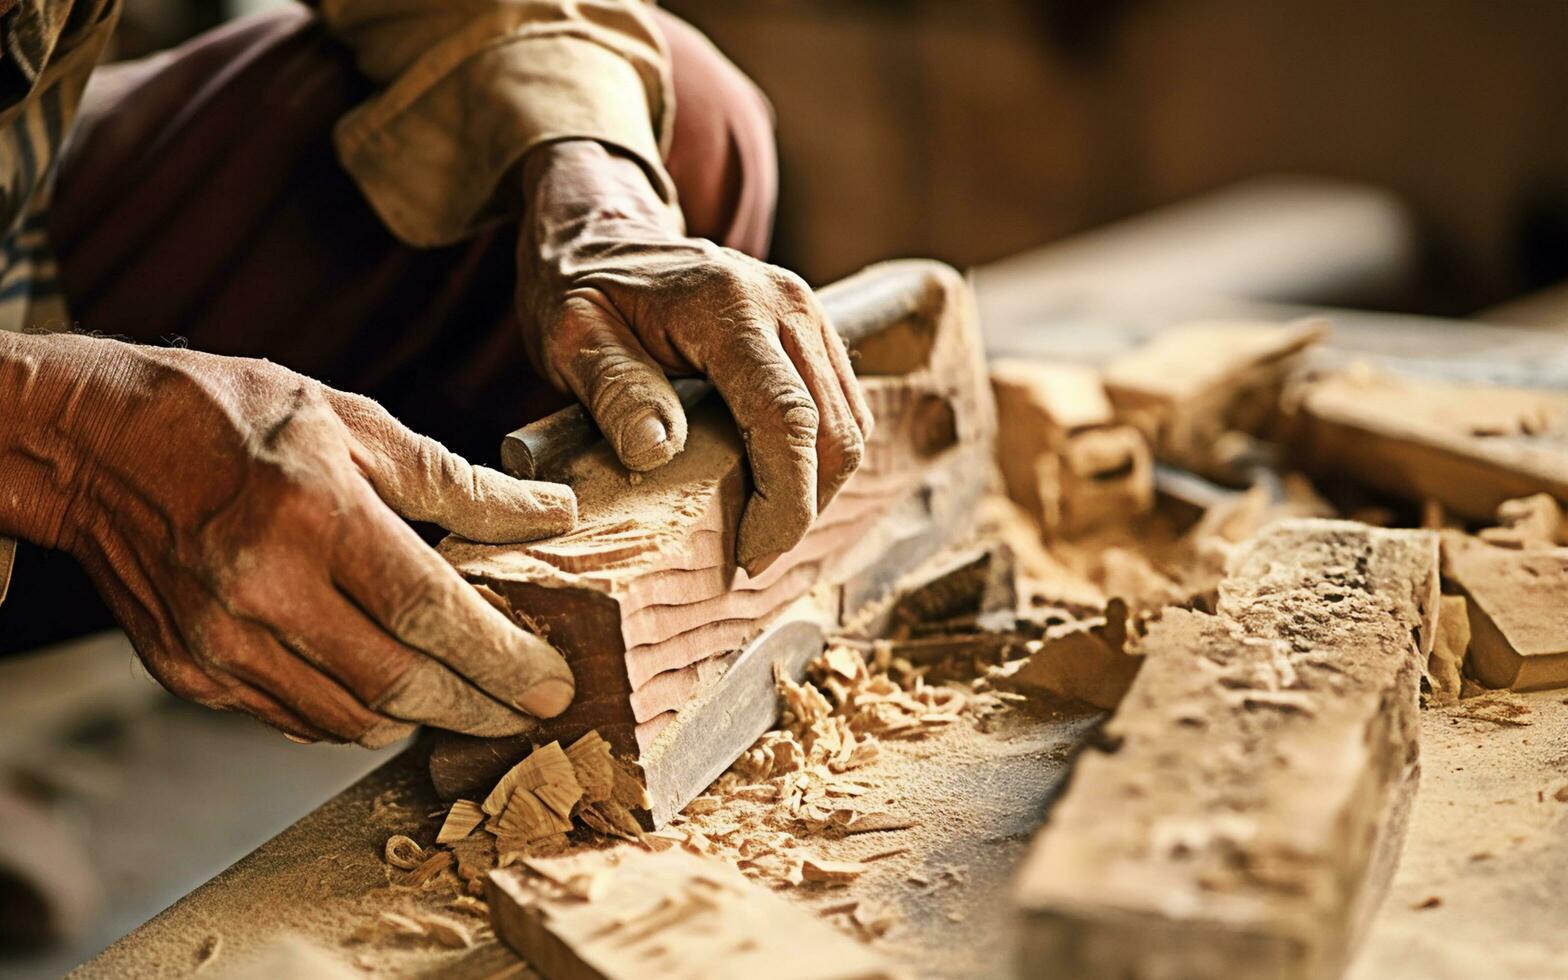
47 51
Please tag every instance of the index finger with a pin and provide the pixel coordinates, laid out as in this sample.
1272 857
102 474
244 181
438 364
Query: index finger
417 597
779 420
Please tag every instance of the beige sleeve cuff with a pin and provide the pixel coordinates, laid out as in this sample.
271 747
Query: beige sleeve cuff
430 151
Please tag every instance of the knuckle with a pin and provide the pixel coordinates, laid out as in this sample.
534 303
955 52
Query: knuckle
417 610
851 447
791 288
800 420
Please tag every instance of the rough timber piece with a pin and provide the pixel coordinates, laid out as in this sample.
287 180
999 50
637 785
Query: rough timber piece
1470 448
1451 648
1086 661
644 597
1518 611
1192 384
1529 522
1243 818
640 915
1062 457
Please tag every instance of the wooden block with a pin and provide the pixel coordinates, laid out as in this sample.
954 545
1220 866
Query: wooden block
1243 813
1445 667
1529 522
1086 661
1518 611
1192 384
645 599
1471 448
1062 457
639 915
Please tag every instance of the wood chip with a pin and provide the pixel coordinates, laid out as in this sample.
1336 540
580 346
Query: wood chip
460 821
836 872
448 932
535 799
594 766
429 868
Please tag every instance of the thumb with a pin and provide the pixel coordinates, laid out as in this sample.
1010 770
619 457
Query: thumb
594 353
424 481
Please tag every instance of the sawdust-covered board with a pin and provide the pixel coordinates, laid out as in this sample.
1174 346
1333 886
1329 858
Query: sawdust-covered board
1242 815
644 597
1518 611
1469 447
1194 383
638 915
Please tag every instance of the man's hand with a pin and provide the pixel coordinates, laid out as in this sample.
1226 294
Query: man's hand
614 296
242 521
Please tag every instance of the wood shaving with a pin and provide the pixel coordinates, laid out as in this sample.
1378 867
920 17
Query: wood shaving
593 766
431 866
460 821
834 872
403 852
448 932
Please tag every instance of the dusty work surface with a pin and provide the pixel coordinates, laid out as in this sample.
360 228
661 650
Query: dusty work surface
1482 886
1488 841
977 799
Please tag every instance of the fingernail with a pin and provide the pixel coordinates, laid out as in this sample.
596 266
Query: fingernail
644 436
547 699
756 566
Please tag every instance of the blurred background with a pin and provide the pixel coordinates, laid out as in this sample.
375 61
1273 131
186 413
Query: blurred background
968 131
1424 146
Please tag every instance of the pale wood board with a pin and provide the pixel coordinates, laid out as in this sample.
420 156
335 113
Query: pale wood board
666 915
1242 815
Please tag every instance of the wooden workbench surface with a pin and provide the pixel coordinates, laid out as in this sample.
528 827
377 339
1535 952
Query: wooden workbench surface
1487 840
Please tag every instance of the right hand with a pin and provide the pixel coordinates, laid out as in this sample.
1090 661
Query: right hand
242 521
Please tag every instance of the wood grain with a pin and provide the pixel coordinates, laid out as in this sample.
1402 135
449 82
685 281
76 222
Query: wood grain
644 597
1241 815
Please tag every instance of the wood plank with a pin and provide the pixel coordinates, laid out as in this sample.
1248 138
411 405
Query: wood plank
1063 458
1194 383
636 915
1469 447
1241 815
1518 611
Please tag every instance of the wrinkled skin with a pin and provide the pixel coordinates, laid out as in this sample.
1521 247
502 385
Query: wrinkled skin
245 525
615 298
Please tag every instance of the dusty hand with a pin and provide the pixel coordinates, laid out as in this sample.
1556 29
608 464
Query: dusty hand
615 296
242 521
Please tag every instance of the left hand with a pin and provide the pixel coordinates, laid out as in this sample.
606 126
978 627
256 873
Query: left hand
614 296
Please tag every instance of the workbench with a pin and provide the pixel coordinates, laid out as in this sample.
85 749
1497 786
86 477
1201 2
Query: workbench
1487 845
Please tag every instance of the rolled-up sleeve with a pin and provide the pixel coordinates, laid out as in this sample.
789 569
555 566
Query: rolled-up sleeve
468 86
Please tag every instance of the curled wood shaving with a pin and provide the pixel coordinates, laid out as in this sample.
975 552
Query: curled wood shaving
594 766
546 764
460 821
448 932
535 799
403 852
610 819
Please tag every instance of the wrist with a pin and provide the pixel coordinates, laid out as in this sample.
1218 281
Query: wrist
577 190
58 393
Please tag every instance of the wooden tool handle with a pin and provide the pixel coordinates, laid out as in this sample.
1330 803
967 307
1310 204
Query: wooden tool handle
861 306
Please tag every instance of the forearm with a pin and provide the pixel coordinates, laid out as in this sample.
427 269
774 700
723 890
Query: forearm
570 188
52 388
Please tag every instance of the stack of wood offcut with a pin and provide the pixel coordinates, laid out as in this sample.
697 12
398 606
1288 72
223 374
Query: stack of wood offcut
1313 553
